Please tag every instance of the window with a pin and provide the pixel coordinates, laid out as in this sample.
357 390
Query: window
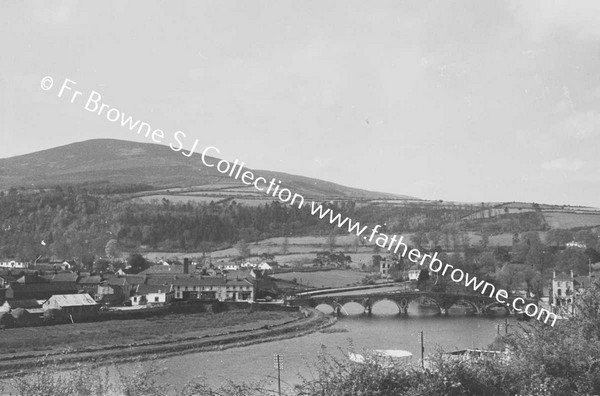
559 292
155 299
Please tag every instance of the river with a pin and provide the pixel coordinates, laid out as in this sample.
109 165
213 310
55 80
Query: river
382 330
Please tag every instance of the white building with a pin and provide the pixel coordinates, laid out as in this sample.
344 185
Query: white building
413 274
152 294
12 264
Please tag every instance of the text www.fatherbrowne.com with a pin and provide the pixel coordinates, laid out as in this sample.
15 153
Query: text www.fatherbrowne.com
236 170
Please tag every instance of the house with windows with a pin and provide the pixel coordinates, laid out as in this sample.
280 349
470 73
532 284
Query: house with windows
200 288
152 294
566 288
413 274
239 290
13 264
562 291
213 288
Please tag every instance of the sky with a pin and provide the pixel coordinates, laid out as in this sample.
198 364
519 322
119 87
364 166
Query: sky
459 101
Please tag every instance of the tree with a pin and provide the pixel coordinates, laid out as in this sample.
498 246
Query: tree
558 237
419 239
586 237
572 259
434 237
102 266
112 249
243 248
137 262
423 277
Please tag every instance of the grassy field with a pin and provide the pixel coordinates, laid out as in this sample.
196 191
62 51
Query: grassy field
124 332
571 220
334 278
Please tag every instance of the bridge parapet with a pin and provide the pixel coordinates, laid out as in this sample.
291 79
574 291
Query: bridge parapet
444 301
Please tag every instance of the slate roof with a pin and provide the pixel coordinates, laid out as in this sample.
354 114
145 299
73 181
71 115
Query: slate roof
238 282
90 280
145 289
39 291
29 303
135 279
117 282
160 280
205 281
64 277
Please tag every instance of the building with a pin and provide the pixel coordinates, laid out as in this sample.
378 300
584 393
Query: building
231 267
575 244
203 288
384 268
152 294
13 264
413 274
239 290
69 277
38 291
114 291
89 284
76 306
6 280
14 304
562 291
213 288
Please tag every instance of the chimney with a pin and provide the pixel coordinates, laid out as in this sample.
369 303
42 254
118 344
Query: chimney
186 266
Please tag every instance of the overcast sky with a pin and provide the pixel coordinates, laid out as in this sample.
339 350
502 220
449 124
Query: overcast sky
464 100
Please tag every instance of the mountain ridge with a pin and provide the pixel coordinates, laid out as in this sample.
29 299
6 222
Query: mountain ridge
121 162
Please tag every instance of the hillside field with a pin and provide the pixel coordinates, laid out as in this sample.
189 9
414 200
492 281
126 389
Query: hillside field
322 279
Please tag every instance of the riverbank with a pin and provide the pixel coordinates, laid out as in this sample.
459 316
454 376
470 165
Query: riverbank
289 325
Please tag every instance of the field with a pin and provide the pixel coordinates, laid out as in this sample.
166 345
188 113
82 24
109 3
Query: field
333 278
154 329
571 220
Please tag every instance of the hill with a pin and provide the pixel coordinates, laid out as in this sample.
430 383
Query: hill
118 162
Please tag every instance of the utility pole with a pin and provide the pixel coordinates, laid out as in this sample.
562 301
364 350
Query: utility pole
278 360
422 350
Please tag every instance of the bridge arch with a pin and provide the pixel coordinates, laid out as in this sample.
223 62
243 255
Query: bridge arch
420 299
486 308
387 301
469 303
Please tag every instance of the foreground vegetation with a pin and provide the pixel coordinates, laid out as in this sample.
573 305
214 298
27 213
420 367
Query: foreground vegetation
543 361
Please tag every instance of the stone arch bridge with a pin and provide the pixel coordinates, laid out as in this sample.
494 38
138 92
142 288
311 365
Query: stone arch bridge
444 301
